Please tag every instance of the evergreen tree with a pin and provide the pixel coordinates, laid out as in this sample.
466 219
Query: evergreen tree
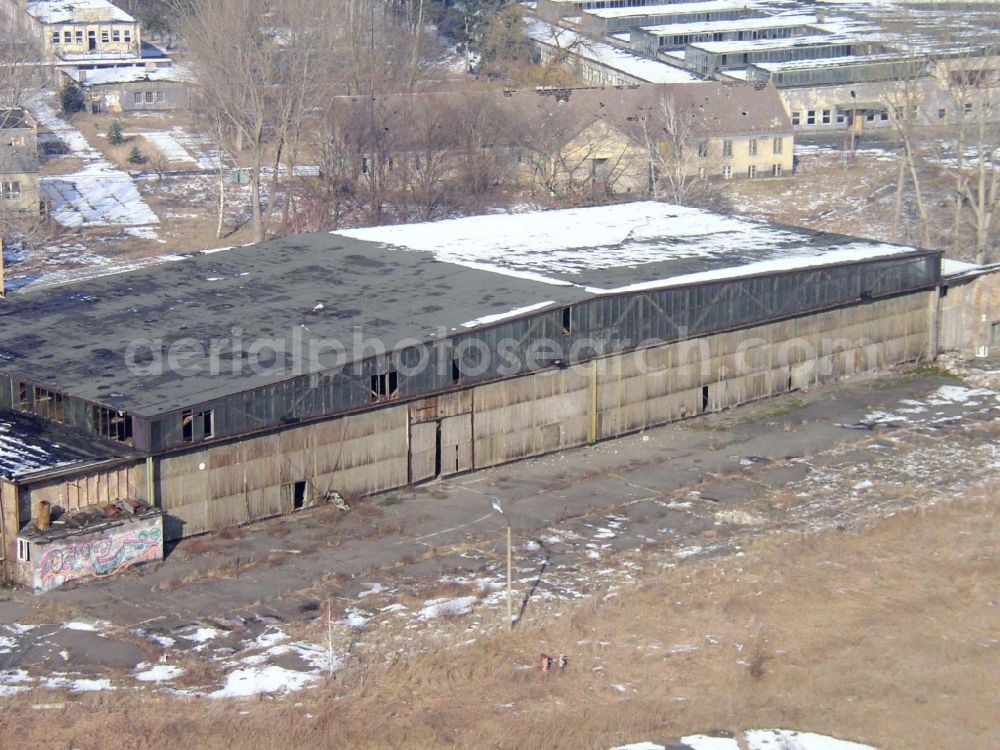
71 98
116 136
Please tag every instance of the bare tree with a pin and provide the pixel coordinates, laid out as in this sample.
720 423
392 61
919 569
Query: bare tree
903 98
669 141
974 88
21 71
258 62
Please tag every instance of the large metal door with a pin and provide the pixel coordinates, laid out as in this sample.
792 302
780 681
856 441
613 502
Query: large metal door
423 451
456 444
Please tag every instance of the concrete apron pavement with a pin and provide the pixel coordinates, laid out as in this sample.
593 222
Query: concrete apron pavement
726 457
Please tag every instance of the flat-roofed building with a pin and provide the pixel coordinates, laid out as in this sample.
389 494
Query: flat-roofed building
649 40
711 58
610 20
598 63
232 386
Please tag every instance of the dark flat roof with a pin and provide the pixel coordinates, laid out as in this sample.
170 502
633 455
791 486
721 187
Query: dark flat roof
75 337
415 281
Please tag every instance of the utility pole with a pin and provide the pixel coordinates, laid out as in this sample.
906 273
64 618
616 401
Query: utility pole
510 595
510 580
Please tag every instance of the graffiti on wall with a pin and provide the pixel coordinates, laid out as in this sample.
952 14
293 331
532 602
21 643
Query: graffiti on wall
98 557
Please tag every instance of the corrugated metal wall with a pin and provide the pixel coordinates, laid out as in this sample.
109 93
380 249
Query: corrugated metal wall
224 485
230 484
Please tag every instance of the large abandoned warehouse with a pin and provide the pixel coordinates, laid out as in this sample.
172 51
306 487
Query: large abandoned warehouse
231 386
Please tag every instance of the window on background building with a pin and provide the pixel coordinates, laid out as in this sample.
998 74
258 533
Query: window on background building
826 117
79 36
116 35
796 118
160 97
776 170
149 97
941 114
11 190
55 37
703 149
752 171
727 172
137 97
23 550
841 116
727 148
128 36
811 117
967 107
703 172
105 36
883 115
778 145
67 37
752 147
870 115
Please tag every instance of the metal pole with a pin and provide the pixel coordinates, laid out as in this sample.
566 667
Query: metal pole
510 595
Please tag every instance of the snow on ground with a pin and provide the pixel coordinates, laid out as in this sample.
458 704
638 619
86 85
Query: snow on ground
206 154
785 739
242 683
168 145
435 608
772 739
100 194
157 673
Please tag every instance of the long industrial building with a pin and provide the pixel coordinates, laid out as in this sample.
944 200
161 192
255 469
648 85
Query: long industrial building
232 386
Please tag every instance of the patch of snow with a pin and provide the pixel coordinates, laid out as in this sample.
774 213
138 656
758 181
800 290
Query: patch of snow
487 319
157 673
549 246
11 679
100 194
435 608
202 634
785 739
77 684
241 683
706 742
168 145
357 619
689 551
957 394
79 625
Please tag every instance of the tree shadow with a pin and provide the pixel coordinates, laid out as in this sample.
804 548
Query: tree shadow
534 586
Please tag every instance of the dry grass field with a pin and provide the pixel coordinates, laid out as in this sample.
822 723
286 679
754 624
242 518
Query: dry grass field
886 635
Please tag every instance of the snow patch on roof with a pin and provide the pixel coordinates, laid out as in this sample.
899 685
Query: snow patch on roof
65 11
554 246
633 65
